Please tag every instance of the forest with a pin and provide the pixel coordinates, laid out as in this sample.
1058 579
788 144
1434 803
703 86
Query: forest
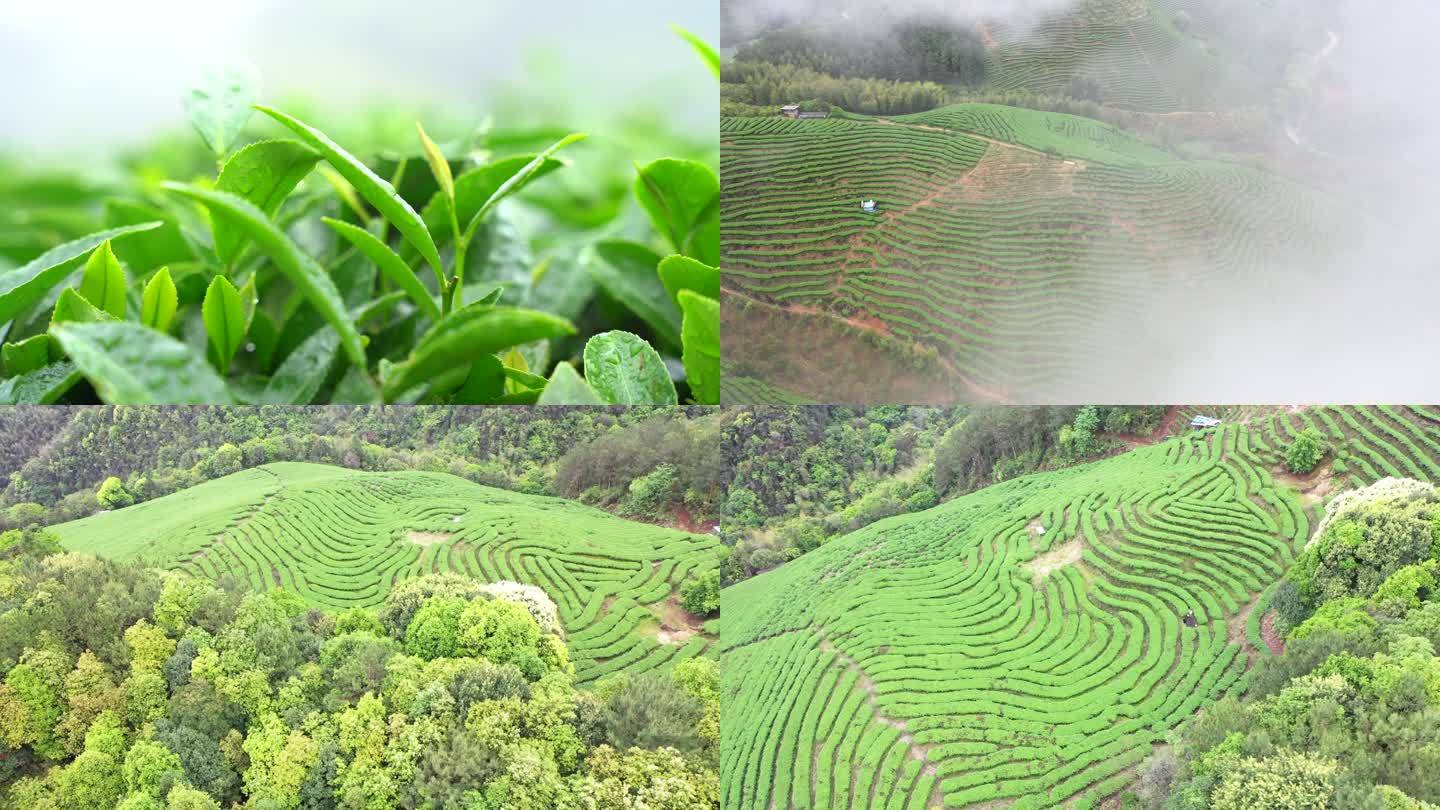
656 461
125 687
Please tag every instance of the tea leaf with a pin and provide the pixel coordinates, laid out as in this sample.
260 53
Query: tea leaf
264 173
42 386
131 365
625 370
302 270
684 273
157 306
219 104
249 300
485 384
475 187
701 356
461 338
389 263
439 165
682 198
375 190
70 307
224 317
299 378
104 281
518 180
627 271
28 355
707 53
25 286
567 387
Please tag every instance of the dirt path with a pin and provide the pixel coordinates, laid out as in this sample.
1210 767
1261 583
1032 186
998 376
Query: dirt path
1160 434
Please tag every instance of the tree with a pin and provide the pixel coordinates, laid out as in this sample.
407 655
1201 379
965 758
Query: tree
92 782
502 632
435 630
701 594
651 711
184 797
1288 779
226 459
152 769
113 495
1306 451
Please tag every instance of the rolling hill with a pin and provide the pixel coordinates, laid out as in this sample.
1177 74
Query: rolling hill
341 538
1013 252
1026 645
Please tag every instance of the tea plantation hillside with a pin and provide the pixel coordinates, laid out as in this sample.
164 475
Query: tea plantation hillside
341 538
1004 242
1027 645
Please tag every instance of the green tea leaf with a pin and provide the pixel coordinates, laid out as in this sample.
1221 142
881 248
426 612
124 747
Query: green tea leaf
484 385
627 271
264 173
219 104
70 307
684 273
157 306
523 379
28 355
23 287
375 190
299 378
439 165
224 317
625 370
466 335
701 356
517 181
389 263
104 281
302 270
567 387
43 386
249 300
475 187
131 365
707 53
682 198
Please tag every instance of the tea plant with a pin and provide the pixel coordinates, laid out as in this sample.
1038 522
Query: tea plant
339 538
297 273
1028 643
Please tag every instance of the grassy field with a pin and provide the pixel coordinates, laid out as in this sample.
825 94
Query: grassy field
1003 237
341 538
1024 646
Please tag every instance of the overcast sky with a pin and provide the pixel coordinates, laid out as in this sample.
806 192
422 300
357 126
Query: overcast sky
83 75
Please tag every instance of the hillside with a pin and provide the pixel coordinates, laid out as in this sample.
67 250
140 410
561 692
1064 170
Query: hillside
340 538
1026 645
1016 255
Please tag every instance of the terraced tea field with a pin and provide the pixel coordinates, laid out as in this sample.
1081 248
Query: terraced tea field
1024 646
1130 50
341 538
1007 247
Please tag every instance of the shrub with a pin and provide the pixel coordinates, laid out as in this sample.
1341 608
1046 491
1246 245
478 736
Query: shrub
113 495
1306 451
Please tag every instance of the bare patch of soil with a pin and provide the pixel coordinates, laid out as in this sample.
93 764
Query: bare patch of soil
677 625
426 538
1065 554
1272 637
683 520
1313 487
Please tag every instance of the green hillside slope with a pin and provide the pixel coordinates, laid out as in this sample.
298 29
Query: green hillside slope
341 538
1005 239
1025 645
